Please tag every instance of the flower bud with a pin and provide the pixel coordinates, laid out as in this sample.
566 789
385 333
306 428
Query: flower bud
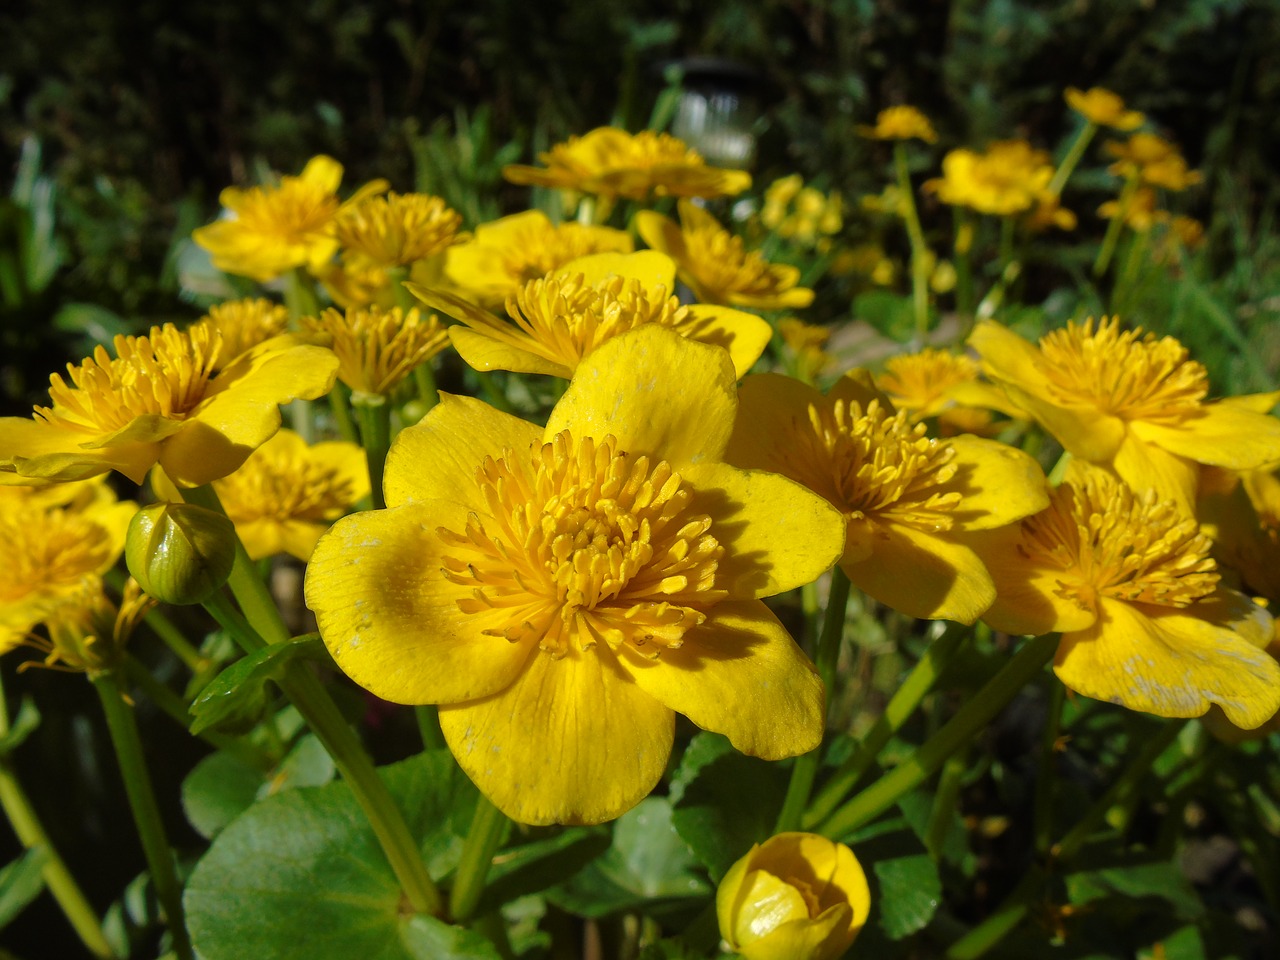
180 553
797 896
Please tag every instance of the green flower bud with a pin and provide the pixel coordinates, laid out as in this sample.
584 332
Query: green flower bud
180 553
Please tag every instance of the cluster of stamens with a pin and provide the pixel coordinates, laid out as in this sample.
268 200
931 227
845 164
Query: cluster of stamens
545 247
918 381
293 211
398 229
49 551
583 543
285 488
722 262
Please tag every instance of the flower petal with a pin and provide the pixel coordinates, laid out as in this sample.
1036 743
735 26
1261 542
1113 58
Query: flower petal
35 451
777 535
739 674
1166 662
571 740
1144 466
661 233
483 352
1029 600
923 575
1222 434
391 620
998 484
323 172
743 334
650 267
438 456
768 406
658 393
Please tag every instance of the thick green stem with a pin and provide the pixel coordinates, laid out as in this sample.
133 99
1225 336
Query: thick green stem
972 717
1119 299
123 728
57 878
805 767
919 251
944 803
341 408
375 433
428 718
1112 236
1069 162
901 706
488 828
300 294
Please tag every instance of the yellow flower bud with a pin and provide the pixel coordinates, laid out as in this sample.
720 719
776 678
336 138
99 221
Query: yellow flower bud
180 553
797 896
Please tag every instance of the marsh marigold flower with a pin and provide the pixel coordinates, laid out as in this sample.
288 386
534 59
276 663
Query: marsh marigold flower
1010 177
613 163
1154 160
1102 107
159 401
1128 581
797 896
562 592
504 255
1141 212
378 348
398 229
901 123
907 500
1240 512
557 321
270 230
938 383
717 267
1132 403
243 324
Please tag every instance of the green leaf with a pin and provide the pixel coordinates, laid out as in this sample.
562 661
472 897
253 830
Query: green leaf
23 725
237 692
21 882
906 888
301 876
727 803
1133 881
426 938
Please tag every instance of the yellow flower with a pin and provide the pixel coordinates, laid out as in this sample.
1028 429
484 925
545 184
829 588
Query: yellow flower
1009 178
1132 403
613 163
901 123
777 198
1154 160
1142 213
559 320
398 229
1104 108
271 230
1188 230
806 341
243 324
377 348
506 254
806 216
561 592
1128 581
1241 513
54 551
797 896
87 631
907 500
716 267
937 383
159 401
355 282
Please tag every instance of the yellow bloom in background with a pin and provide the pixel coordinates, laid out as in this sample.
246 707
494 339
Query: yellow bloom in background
797 896
354 283
613 163
54 551
1049 212
159 401
1132 403
803 215
1188 231
559 320
376 348
562 592
1154 160
288 493
398 229
907 500
777 199
938 383
1128 581
1140 214
807 343
270 230
1104 108
1010 177
715 265
242 325
1240 512
88 631
502 256
901 123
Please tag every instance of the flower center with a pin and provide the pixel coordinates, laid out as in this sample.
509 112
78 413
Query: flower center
537 251
293 212
1121 374
722 263
878 464
1110 542
918 381
48 552
285 488
583 542
165 374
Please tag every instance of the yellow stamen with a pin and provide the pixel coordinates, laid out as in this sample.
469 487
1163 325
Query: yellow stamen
584 543
398 229
282 486
48 551
378 348
918 381
243 324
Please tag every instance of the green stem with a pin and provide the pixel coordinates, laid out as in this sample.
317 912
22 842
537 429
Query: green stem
963 254
1045 774
1128 273
919 251
428 718
901 706
424 378
300 294
488 828
123 728
375 433
1069 162
57 878
944 803
342 412
805 768
969 719
1112 236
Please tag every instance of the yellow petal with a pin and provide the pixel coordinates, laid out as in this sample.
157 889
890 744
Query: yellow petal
795 298
768 405
323 172
998 484
923 575
661 395
569 741
438 457
1166 662
483 352
739 674
767 902
1222 434
32 451
648 266
1029 599
743 334
391 620
777 535
1144 466
660 233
